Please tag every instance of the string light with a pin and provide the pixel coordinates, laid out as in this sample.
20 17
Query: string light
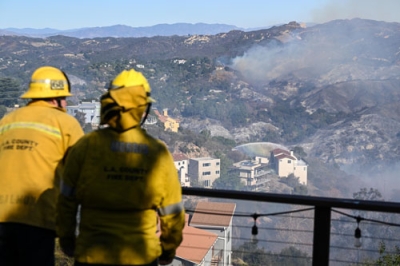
357 234
254 229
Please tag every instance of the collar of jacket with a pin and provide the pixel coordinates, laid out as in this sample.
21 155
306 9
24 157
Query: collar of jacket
46 104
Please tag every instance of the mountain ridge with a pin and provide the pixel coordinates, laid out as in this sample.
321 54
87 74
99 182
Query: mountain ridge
124 31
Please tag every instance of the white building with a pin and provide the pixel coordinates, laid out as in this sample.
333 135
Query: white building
285 163
90 109
216 217
250 171
204 170
181 162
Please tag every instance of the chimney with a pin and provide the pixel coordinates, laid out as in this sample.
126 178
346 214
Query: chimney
165 112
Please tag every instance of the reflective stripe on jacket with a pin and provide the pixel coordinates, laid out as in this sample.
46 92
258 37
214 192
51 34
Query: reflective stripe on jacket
33 141
121 181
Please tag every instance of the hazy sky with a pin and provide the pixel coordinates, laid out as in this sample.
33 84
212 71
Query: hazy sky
74 14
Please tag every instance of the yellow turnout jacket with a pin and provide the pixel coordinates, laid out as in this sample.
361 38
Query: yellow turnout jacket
121 182
33 141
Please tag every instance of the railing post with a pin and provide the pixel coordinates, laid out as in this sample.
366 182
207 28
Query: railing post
322 232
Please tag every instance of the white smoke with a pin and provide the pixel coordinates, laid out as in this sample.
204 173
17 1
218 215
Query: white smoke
261 64
385 10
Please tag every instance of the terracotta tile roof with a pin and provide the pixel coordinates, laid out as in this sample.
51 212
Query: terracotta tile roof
195 244
160 116
213 214
276 152
164 118
179 157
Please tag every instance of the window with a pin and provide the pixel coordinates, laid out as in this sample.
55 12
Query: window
206 164
217 163
289 161
207 183
217 172
207 173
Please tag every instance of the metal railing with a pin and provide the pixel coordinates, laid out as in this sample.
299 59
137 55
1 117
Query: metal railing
322 206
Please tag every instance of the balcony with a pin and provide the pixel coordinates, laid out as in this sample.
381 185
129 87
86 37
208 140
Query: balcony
308 230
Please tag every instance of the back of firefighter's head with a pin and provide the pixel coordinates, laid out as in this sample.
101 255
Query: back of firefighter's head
132 78
127 99
48 83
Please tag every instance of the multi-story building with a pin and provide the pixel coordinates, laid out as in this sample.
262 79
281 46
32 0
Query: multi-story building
285 163
216 217
197 247
204 170
249 171
181 162
91 111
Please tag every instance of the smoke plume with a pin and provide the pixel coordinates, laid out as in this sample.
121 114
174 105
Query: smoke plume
387 10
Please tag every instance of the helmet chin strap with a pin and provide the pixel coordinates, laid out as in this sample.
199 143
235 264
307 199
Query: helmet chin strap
58 100
146 114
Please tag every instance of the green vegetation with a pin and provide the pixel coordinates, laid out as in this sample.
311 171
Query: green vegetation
386 258
365 194
3 110
250 254
292 181
226 181
10 91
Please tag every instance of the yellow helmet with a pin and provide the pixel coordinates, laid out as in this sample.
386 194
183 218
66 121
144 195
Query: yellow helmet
48 82
130 78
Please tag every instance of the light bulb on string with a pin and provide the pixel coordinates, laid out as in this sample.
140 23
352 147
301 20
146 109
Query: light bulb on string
254 229
357 234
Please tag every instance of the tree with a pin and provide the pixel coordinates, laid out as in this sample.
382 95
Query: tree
365 194
291 180
3 110
80 116
386 258
10 91
299 152
250 254
300 190
292 256
226 180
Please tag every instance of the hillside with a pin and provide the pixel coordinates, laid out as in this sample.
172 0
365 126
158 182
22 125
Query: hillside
332 89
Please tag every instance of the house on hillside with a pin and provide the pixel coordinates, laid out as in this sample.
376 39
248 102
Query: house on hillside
197 247
91 111
181 162
204 170
251 171
285 163
170 124
216 218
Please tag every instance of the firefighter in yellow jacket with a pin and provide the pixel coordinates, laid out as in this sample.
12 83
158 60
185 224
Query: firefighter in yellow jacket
125 181
33 141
